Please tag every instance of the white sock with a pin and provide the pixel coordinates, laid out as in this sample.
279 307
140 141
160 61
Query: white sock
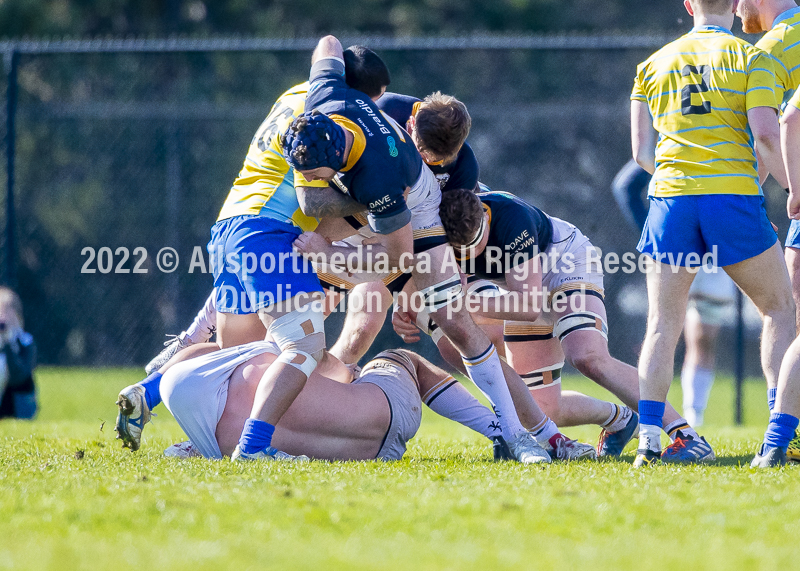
620 416
486 372
649 437
696 383
680 425
449 398
205 323
544 431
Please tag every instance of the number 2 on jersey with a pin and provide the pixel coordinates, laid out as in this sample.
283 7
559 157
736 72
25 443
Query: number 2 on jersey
704 71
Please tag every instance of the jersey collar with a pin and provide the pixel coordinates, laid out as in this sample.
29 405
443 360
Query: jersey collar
786 15
711 29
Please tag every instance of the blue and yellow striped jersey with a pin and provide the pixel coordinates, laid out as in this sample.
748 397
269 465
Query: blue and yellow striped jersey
783 43
265 185
699 89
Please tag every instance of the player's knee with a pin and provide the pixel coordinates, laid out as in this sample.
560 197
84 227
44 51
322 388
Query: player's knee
300 335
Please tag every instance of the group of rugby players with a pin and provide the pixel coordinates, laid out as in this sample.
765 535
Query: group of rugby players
348 188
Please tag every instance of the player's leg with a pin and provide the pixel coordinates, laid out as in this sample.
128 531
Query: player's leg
782 426
700 333
773 299
667 294
201 330
136 402
792 256
367 305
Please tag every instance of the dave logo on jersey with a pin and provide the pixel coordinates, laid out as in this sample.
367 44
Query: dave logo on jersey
381 204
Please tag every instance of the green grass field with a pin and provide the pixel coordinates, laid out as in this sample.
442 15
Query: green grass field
70 498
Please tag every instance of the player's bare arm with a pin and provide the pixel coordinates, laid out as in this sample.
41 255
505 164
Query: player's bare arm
790 144
522 301
326 203
643 136
395 249
766 133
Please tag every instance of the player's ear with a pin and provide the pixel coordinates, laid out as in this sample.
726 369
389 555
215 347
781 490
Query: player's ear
688 5
410 124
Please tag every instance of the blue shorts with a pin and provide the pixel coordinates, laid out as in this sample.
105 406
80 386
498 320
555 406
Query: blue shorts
254 265
734 225
793 237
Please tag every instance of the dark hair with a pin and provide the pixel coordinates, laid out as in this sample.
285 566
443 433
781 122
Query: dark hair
461 212
364 70
442 125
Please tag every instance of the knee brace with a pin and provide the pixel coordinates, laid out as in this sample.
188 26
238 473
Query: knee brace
544 377
301 338
578 321
442 294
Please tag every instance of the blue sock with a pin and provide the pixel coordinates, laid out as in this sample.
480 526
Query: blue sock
152 394
256 436
780 430
772 394
651 412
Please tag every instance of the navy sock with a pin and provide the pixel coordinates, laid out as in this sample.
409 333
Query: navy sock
651 412
152 394
780 430
772 394
256 436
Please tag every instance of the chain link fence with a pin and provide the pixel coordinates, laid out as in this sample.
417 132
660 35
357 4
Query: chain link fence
126 147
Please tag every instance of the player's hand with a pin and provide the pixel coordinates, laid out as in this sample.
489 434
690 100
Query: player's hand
403 324
311 243
793 205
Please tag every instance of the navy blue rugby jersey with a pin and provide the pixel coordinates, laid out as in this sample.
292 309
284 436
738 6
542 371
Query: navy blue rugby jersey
383 161
518 232
462 172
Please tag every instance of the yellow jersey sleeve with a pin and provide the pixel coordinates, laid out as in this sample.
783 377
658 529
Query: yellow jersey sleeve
782 42
760 82
638 90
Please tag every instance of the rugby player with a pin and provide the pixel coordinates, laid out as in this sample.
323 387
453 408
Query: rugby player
532 255
261 216
709 96
210 393
378 165
711 295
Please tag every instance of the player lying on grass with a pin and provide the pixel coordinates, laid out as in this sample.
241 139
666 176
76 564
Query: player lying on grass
210 393
710 98
538 259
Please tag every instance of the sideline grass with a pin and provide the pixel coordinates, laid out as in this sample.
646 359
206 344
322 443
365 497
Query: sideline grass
445 506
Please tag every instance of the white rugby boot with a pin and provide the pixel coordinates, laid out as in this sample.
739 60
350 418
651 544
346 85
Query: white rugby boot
526 450
171 348
133 415
267 454
182 450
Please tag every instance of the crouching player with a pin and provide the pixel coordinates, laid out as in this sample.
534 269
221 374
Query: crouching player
499 237
210 393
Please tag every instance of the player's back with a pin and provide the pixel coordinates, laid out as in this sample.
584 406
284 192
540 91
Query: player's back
783 43
699 89
265 185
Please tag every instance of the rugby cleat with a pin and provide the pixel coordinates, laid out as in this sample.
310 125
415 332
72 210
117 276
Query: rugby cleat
133 415
171 348
793 451
769 457
562 448
526 450
646 457
687 450
267 454
182 450
500 449
613 443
